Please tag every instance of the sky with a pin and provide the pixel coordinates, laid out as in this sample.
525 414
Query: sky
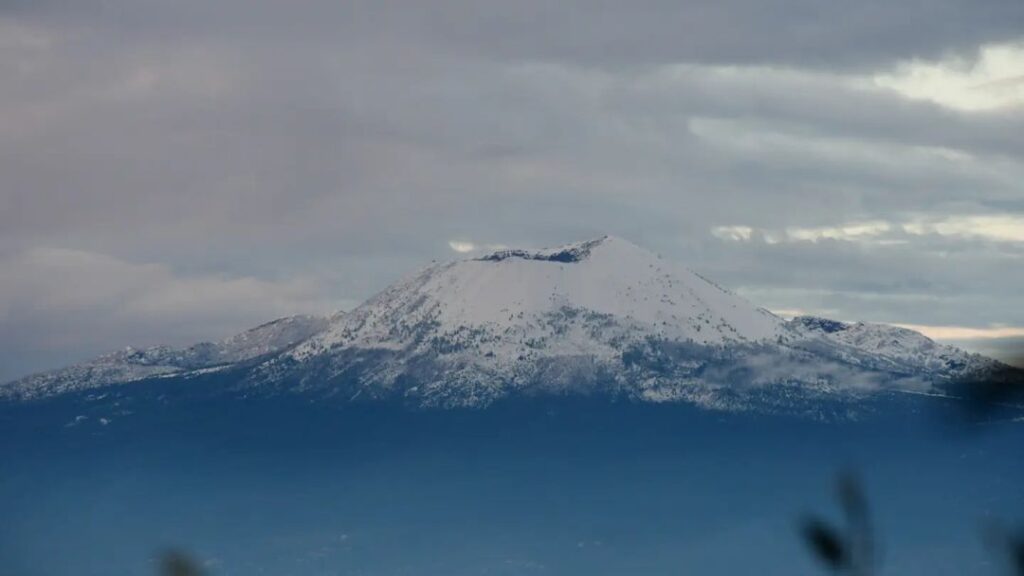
179 171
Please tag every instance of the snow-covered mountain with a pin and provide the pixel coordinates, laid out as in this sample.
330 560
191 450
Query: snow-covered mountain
516 302
602 316
892 348
597 317
130 364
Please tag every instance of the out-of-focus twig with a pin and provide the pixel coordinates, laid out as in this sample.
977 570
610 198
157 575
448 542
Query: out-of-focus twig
847 549
1009 548
177 563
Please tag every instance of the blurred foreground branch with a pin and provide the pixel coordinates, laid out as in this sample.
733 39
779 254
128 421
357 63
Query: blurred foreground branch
850 548
177 563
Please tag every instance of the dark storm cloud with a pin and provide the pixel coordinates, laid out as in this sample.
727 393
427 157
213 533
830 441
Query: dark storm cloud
219 163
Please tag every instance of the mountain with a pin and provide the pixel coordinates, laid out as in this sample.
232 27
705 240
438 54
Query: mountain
892 348
597 317
131 364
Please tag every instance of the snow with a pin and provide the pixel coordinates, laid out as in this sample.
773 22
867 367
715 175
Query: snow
601 313
510 297
132 365
894 346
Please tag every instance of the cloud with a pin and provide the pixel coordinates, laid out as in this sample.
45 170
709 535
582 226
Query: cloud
999 227
18 36
851 232
966 333
790 313
991 79
877 231
993 228
67 280
809 33
794 148
737 233
466 247
1008 350
57 302
461 247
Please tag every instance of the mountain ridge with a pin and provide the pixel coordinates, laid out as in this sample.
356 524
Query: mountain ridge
133 364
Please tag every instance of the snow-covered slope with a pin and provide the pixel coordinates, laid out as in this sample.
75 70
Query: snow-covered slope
602 316
132 364
508 304
892 348
471 331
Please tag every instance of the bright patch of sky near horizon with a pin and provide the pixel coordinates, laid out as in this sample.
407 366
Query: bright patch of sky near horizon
222 164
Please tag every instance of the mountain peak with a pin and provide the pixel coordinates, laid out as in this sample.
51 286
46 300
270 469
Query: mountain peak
565 254
819 324
585 299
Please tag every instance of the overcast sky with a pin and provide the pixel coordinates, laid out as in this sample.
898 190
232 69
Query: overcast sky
180 170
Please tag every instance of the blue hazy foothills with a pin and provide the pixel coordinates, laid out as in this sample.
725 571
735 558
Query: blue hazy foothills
535 486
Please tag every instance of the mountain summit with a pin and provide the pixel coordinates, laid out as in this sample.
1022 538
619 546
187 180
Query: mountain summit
584 298
597 317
